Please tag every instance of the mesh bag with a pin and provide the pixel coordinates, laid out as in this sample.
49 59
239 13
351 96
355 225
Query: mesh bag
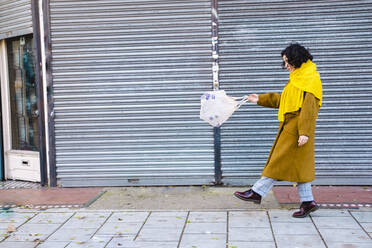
216 107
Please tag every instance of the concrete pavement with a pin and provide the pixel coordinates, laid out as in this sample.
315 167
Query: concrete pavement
55 228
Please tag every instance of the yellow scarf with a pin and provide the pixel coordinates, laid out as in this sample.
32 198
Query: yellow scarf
303 79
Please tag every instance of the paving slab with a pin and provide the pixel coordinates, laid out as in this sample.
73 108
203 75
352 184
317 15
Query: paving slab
8 244
53 244
208 217
344 235
348 245
367 226
14 218
302 241
33 232
138 244
203 241
95 242
171 220
128 217
73 234
120 228
234 244
336 222
362 216
331 213
50 218
160 234
119 241
205 228
156 214
3 233
249 219
87 220
280 228
245 234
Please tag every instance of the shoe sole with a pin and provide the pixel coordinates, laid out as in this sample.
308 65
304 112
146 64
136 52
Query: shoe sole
250 200
305 215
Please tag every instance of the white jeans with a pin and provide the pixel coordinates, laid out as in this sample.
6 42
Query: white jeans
264 185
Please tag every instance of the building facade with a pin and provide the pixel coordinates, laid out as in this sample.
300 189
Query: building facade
107 93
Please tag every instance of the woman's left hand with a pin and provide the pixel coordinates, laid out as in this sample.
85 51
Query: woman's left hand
302 140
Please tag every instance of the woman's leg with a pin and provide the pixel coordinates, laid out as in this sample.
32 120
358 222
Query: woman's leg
305 193
308 204
263 186
259 190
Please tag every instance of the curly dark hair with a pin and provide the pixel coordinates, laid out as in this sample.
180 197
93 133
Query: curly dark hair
296 55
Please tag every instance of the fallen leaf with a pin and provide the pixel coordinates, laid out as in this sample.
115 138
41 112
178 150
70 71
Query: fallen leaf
11 228
34 234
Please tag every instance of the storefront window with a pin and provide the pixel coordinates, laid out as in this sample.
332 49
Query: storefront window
23 99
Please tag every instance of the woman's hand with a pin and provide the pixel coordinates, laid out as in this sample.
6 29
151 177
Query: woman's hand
302 140
253 98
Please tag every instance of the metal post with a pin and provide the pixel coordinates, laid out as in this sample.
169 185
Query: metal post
39 93
1 145
49 86
215 69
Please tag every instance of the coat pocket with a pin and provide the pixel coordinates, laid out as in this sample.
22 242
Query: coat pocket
291 125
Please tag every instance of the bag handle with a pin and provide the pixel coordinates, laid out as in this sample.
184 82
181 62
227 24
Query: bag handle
243 100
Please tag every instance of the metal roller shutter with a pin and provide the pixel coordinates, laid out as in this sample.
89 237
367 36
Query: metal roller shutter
339 35
15 18
128 76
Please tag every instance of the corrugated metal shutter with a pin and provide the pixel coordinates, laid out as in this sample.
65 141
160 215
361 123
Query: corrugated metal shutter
339 34
15 18
128 76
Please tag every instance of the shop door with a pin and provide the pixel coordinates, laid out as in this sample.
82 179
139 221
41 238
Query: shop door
19 102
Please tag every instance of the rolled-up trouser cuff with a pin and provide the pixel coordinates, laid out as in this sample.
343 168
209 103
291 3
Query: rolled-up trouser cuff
263 186
304 191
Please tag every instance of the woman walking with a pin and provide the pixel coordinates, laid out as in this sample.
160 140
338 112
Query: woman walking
292 155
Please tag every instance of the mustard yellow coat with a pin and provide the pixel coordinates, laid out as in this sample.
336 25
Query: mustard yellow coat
287 161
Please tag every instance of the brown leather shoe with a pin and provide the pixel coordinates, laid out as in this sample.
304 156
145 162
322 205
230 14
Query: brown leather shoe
305 209
249 195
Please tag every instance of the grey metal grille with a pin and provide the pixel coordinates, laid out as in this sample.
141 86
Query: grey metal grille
13 184
128 76
339 35
15 18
